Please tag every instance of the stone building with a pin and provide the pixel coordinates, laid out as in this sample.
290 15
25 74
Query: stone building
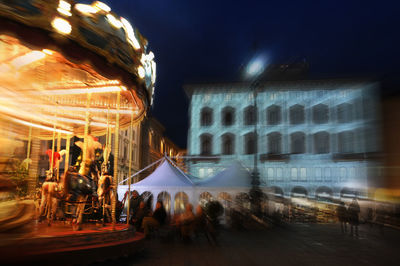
315 138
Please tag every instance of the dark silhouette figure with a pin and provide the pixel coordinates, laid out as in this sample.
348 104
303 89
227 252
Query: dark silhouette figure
342 216
354 211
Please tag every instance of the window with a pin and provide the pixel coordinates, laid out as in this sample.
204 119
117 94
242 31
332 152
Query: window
250 143
296 114
321 142
250 116
293 173
206 142
228 144
320 114
274 115
345 113
346 142
279 174
327 174
270 173
318 174
228 114
342 174
206 116
297 140
274 143
303 174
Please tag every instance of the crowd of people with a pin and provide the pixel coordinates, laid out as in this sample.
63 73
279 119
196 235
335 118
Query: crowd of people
185 224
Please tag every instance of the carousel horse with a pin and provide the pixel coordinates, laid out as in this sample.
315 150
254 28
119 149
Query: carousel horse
52 188
51 192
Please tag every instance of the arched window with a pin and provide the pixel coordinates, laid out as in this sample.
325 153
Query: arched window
250 115
206 144
346 142
296 114
249 143
228 116
298 143
206 116
321 142
274 143
320 114
274 115
345 113
228 144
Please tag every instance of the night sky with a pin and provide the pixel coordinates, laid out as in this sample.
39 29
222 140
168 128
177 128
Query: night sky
200 41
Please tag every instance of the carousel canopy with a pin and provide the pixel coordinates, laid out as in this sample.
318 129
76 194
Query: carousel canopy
64 64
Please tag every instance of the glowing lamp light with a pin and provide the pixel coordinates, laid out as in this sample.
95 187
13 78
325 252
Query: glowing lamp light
256 66
102 6
27 59
86 9
141 72
130 33
61 25
114 22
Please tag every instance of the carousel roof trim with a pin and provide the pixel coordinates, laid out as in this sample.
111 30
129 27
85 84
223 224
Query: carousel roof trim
94 27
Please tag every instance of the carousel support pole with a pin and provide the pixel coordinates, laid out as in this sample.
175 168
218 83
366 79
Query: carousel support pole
129 170
84 165
66 162
33 172
58 150
28 152
116 146
52 150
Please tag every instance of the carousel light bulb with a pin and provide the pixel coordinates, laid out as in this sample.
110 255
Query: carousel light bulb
113 21
47 51
41 126
27 59
61 25
141 72
86 9
64 8
130 33
102 6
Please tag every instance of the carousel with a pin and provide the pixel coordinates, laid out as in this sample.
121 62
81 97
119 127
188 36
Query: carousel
72 76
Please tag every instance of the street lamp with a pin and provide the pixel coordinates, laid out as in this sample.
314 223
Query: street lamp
254 69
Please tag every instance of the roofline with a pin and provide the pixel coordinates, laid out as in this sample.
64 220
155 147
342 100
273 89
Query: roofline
189 88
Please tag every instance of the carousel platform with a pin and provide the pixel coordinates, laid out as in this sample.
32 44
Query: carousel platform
59 243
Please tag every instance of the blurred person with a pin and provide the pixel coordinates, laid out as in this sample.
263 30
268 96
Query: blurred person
353 212
134 203
137 217
342 216
370 216
185 222
156 220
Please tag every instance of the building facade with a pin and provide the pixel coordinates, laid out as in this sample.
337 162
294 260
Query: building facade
316 138
155 145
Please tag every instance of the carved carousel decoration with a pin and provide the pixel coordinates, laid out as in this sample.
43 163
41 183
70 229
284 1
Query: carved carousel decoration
71 75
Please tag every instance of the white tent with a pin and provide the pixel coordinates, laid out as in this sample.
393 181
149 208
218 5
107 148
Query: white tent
233 180
165 179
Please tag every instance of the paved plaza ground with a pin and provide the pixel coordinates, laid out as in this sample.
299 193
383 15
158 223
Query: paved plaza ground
295 244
